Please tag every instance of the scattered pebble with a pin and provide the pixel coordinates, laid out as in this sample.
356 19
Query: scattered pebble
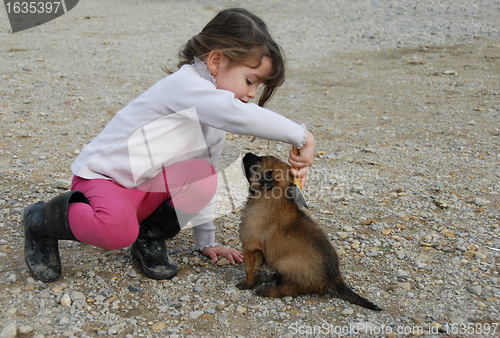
223 261
195 314
66 300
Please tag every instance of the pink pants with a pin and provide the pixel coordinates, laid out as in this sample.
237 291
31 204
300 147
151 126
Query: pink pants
111 220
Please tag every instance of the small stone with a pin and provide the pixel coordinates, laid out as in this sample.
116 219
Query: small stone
68 333
113 330
405 286
387 231
29 287
480 202
207 316
436 325
59 288
475 289
469 254
195 314
10 331
132 274
479 255
471 247
223 261
63 184
418 320
66 300
77 295
347 312
133 288
348 228
457 320
159 326
355 244
400 273
342 235
441 203
12 278
25 329
417 332
241 309
357 188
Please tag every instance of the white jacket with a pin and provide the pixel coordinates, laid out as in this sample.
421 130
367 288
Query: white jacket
182 116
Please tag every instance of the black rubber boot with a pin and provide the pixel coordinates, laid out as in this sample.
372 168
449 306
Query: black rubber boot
43 225
150 250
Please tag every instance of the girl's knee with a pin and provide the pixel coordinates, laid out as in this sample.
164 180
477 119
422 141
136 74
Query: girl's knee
105 230
118 233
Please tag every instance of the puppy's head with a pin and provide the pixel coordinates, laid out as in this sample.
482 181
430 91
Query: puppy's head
269 177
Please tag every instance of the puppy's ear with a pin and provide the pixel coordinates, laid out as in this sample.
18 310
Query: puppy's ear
293 192
250 165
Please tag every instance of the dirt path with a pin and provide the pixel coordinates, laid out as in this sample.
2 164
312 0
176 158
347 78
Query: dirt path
406 180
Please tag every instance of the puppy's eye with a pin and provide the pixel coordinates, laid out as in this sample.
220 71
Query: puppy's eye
268 174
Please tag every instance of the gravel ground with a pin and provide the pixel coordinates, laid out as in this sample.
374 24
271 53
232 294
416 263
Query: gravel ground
403 98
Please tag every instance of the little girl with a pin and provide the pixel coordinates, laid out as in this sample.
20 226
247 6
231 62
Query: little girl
154 166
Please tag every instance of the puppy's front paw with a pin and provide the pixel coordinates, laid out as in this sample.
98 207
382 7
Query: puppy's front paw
243 285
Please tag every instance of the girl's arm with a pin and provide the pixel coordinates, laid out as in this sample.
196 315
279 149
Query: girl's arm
219 109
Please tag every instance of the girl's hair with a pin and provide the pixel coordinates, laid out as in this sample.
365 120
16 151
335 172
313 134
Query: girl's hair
243 38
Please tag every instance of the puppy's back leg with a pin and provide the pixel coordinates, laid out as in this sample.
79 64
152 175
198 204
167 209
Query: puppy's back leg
281 290
253 263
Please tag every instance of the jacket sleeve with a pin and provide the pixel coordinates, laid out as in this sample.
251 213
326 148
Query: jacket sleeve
204 235
220 109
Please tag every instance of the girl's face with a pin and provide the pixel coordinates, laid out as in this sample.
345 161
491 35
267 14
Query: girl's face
242 80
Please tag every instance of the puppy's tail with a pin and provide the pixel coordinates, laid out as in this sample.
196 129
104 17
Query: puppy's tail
346 293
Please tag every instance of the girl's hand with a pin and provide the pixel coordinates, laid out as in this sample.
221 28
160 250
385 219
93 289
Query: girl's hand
304 160
230 253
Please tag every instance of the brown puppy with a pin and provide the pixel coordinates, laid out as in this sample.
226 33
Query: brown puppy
276 232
